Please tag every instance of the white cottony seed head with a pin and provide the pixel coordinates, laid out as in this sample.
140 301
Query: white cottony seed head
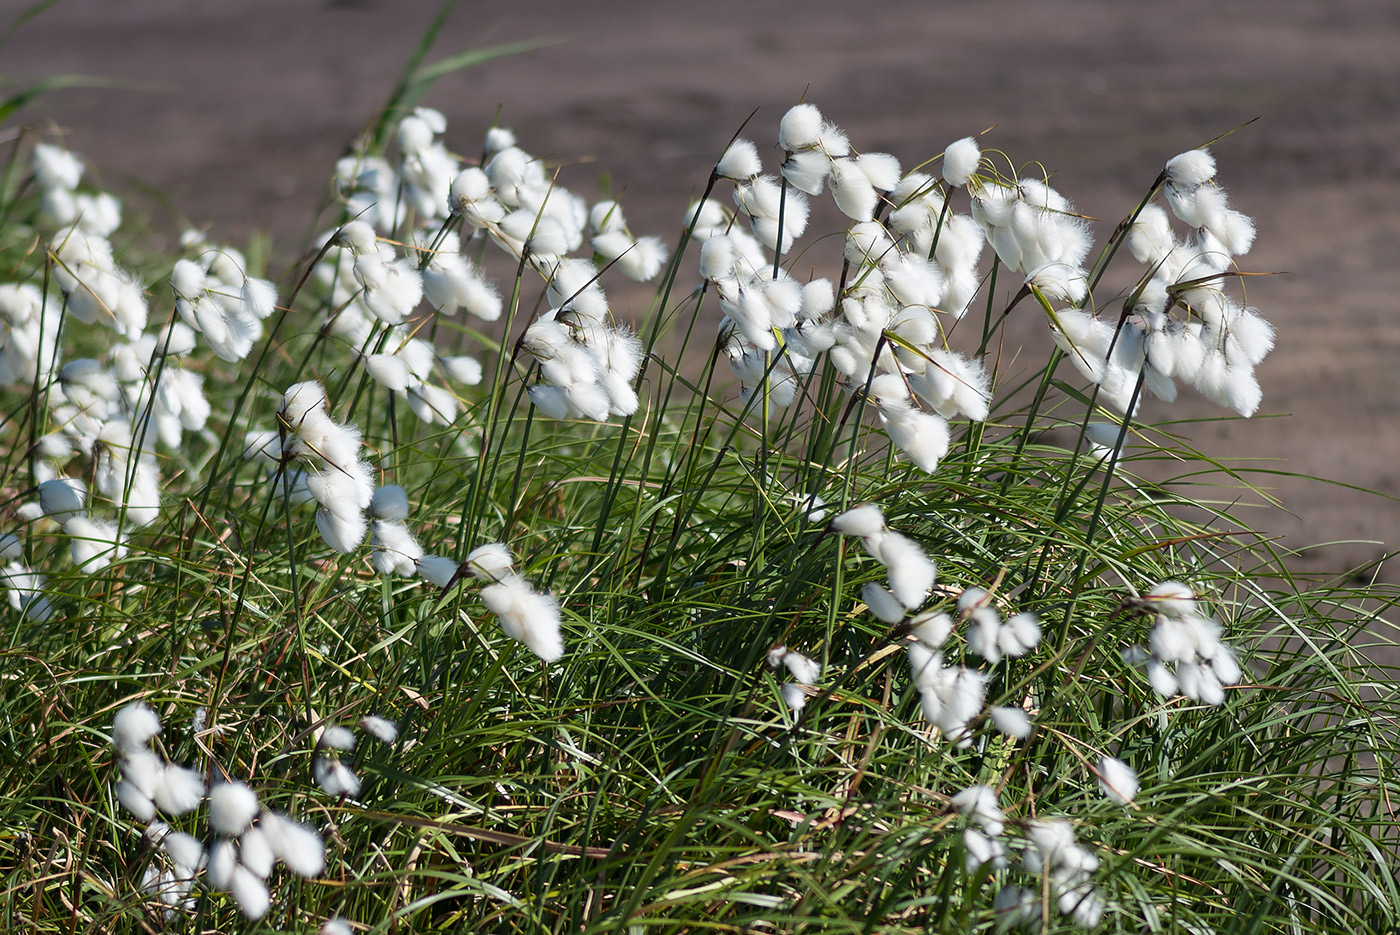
389 502
301 399
804 670
883 604
866 520
336 737
526 615
437 569
490 562
180 790
1013 722
249 892
793 696
296 845
62 497
800 127
1191 168
739 162
133 727
1172 598
381 729
1117 780
335 777
232 807
960 161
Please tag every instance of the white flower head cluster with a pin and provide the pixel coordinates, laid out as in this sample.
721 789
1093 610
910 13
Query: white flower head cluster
816 150
949 696
116 407
771 210
982 839
96 288
452 281
886 330
116 411
249 841
1216 343
911 573
383 194
149 783
94 543
1069 867
804 670
132 489
1035 232
24 587
390 285
991 637
369 186
538 218
1186 653
1117 780
403 364
637 258
923 225
373 291
426 168
339 482
773 328
529 215
127 473
587 364
113 410
528 616
331 772
57 173
171 883
889 342
1016 907
28 334
216 297
394 549
93 408
329 769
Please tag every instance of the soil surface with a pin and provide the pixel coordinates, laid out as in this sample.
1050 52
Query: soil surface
236 110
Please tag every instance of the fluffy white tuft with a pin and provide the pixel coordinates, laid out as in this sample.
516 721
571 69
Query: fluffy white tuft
133 727
1013 722
1117 780
526 615
739 162
381 729
232 807
960 161
864 520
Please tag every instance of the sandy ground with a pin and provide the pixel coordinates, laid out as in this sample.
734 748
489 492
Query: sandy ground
250 101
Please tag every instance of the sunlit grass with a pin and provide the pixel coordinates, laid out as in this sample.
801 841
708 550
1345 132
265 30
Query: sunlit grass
655 779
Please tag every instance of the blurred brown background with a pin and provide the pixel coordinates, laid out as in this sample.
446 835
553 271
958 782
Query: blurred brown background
252 101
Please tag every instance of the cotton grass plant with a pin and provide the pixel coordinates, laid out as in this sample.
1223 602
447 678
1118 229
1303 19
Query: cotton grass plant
792 606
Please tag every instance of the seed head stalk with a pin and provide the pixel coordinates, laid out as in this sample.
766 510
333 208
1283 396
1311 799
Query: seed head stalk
1110 467
471 506
255 369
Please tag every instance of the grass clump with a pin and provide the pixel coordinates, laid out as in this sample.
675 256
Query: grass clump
330 608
